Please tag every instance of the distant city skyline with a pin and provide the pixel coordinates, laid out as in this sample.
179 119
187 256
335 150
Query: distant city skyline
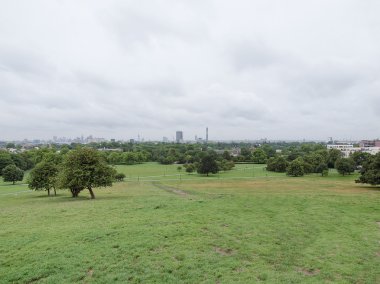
246 69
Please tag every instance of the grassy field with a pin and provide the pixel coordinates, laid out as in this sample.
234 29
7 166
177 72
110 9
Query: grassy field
162 226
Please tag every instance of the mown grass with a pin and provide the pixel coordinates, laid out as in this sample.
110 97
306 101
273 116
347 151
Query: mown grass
236 227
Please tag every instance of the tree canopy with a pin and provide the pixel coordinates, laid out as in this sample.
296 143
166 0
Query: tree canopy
295 168
84 168
12 173
345 166
44 176
208 165
370 172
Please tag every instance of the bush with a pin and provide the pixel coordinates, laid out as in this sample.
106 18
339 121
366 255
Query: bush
119 177
189 168
277 164
295 169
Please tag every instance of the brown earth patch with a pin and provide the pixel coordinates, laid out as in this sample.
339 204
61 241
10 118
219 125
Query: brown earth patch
308 272
223 251
90 272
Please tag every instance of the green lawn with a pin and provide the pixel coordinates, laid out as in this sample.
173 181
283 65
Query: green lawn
244 226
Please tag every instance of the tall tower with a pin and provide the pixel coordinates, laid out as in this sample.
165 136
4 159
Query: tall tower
206 134
179 136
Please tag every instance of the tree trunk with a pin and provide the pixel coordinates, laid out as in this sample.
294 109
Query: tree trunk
14 182
74 192
55 192
48 192
91 192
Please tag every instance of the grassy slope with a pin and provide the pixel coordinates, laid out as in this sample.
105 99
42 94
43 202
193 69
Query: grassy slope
202 230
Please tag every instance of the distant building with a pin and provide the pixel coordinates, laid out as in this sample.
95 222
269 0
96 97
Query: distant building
179 136
165 139
348 149
370 143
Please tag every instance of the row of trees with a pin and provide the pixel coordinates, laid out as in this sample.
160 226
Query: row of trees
316 162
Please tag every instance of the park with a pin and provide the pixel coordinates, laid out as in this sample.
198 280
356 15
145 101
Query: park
163 225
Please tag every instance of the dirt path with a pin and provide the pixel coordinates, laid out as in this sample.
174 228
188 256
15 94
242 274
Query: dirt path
170 189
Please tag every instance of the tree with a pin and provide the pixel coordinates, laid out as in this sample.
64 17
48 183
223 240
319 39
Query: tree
259 156
225 165
370 172
277 164
226 155
345 166
84 168
269 151
208 165
295 168
323 169
119 177
44 176
5 160
334 154
12 173
246 153
360 158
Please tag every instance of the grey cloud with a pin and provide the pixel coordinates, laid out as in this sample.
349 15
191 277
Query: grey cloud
121 68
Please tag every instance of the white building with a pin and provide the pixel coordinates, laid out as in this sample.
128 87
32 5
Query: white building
348 149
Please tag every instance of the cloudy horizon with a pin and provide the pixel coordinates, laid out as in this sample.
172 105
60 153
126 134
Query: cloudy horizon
246 69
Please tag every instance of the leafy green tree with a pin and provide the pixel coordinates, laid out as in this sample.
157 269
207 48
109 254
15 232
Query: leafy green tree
370 172
246 153
322 169
360 158
225 165
334 155
84 168
12 173
44 176
114 158
295 168
277 164
345 166
208 165
226 155
314 159
5 160
269 151
259 156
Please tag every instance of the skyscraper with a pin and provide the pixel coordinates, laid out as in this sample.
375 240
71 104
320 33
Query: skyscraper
206 134
179 136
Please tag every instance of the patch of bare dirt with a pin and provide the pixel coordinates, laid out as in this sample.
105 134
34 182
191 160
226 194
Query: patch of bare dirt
90 272
308 272
223 251
378 223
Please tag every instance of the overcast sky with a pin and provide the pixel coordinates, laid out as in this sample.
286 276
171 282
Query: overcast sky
246 69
